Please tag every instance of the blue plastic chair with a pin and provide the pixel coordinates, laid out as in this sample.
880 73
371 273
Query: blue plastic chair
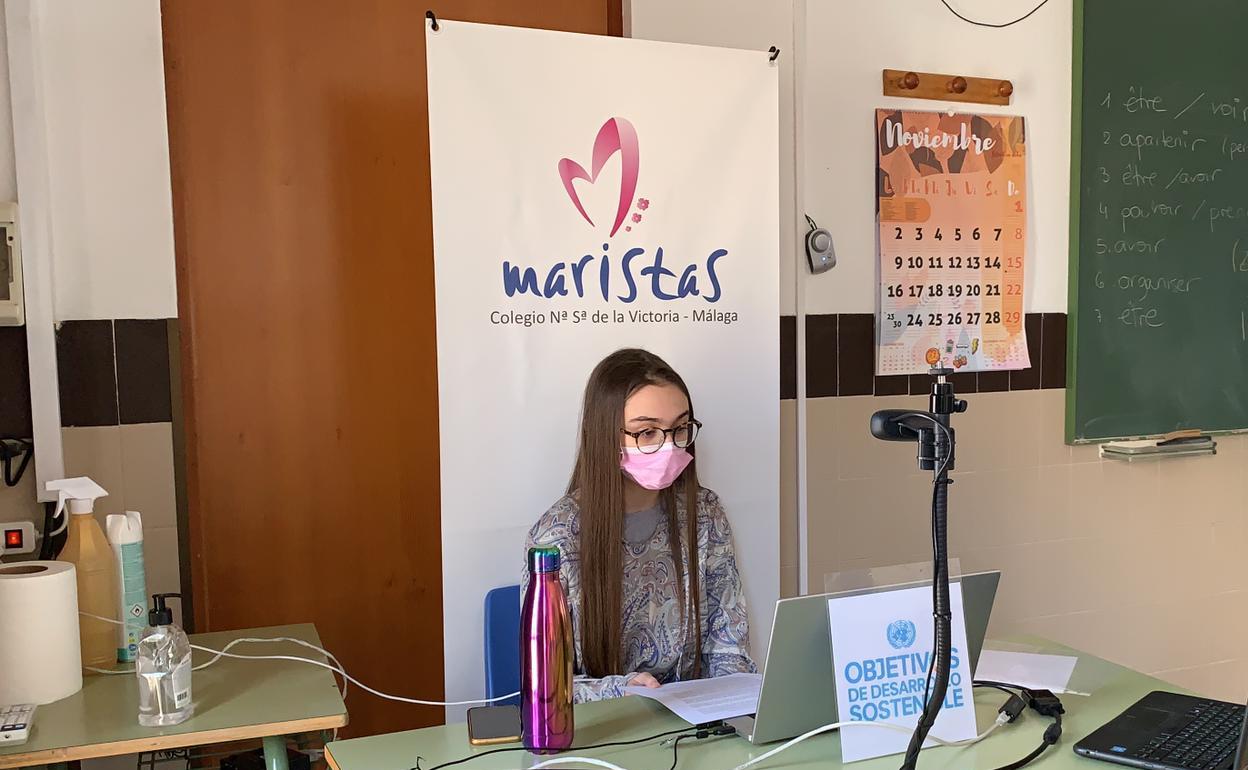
502 643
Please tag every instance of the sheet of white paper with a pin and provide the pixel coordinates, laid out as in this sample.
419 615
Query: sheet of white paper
882 645
1029 669
706 700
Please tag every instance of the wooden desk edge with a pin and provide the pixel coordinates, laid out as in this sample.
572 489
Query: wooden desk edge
166 742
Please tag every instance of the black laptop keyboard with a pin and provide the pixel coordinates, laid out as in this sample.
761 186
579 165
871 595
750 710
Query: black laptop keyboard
1205 743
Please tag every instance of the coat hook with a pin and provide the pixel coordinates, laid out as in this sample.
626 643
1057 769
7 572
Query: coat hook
946 87
775 53
431 17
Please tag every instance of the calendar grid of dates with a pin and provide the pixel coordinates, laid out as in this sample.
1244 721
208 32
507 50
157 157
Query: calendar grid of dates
959 289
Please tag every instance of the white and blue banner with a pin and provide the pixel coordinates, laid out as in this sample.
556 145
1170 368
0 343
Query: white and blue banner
592 193
881 651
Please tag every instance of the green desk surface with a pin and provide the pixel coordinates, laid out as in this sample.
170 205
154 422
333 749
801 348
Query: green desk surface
630 717
234 700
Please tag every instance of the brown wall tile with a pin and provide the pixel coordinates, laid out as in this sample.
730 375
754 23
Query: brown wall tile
788 356
821 355
14 383
964 382
856 354
892 385
993 382
143 393
1053 351
87 373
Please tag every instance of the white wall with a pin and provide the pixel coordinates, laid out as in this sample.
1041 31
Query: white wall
750 24
8 172
849 42
833 86
108 148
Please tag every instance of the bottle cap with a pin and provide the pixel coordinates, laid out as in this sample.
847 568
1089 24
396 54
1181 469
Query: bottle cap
543 559
159 614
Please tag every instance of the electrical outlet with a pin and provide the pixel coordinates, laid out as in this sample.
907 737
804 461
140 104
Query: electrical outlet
17 537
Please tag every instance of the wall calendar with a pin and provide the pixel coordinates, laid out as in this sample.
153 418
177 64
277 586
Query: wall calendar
952 212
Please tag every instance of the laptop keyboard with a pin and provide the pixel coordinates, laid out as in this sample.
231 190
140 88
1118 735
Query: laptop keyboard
1205 743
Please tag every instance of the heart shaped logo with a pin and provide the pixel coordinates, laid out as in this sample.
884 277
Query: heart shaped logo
616 135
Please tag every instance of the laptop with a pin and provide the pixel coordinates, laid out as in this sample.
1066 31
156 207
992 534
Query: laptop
799 686
1169 731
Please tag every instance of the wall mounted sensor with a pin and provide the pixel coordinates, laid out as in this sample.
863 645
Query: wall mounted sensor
819 250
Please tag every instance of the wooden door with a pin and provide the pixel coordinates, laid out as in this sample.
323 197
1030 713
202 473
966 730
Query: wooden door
299 147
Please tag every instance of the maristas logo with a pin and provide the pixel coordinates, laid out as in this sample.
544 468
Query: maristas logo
639 268
617 135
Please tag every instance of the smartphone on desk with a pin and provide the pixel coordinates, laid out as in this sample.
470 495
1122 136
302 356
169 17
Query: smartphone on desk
490 725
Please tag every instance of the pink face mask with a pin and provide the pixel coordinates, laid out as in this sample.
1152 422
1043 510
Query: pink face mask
656 470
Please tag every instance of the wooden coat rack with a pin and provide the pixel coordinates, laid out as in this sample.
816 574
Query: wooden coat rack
946 88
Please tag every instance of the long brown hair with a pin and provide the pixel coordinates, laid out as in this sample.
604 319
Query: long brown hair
598 484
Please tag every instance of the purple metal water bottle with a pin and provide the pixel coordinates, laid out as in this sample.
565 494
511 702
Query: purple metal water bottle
545 657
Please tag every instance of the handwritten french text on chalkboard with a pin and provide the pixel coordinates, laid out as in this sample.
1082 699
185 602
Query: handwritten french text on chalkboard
1160 264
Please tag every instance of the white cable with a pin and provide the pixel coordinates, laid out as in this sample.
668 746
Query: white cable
573 760
357 682
335 668
342 690
1002 719
603 763
100 617
292 640
64 517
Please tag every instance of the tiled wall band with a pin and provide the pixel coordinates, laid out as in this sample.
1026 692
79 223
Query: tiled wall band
114 372
840 360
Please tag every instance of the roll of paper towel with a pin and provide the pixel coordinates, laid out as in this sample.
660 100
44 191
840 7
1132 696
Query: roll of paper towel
40 660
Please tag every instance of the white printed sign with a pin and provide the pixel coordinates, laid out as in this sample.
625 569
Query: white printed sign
881 650
592 193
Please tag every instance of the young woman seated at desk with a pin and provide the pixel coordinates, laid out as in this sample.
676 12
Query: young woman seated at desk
654 592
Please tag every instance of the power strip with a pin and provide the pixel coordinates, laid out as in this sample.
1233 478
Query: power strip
17 538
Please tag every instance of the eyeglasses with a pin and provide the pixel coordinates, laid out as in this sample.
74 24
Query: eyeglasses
650 440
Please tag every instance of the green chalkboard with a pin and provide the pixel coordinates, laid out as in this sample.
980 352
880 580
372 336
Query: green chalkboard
1158 333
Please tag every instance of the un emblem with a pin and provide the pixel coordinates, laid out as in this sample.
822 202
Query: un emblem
901 634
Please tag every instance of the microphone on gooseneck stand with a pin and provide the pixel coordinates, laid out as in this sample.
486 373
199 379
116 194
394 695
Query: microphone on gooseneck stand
934 436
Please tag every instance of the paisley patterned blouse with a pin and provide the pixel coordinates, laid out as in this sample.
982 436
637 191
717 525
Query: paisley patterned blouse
653 639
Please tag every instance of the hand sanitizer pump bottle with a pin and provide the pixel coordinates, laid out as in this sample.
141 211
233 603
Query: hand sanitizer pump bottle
163 666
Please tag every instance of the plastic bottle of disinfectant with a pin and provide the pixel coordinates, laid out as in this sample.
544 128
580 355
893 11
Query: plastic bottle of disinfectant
88 550
163 665
125 535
